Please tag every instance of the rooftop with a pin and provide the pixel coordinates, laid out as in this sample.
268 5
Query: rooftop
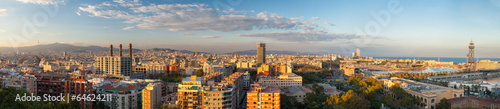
453 100
193 78
119 87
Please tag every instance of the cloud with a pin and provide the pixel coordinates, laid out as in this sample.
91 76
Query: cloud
328 23
3 12
190 17
42 2
209 37
305 36
187 33
125 3
315 18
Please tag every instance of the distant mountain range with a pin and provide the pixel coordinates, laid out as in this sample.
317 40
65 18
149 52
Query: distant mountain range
60 47
281 52
52 47
174 50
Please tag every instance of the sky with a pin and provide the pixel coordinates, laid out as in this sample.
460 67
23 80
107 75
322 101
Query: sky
380 28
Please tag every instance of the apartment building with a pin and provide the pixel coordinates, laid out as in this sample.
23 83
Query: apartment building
151 95
124 95
219 96
189 92
113 65
78 87
246 80
263 97
50 84
236 80
285 80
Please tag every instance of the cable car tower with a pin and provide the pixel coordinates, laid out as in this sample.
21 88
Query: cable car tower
471 62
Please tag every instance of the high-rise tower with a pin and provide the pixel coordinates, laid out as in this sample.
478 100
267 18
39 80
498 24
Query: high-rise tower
261 53
470 57
358 52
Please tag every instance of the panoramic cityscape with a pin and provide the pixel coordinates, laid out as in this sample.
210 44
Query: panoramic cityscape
249 54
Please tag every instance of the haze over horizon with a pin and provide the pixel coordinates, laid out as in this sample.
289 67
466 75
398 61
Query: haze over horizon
379 28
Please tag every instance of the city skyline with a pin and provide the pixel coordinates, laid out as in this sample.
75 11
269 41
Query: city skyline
415 28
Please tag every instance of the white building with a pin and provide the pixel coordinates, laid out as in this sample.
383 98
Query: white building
245 64
285 80
155 68
189 71
113 65
246 80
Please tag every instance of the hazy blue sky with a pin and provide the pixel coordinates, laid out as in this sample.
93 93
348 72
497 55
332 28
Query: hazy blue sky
378 27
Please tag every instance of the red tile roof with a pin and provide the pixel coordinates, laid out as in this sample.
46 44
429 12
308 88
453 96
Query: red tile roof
121 87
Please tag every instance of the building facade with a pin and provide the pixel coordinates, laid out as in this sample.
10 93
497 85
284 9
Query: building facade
50 85
189 93
151 95
428 94
285 80
79 87
474 102
124 96
263 97
219 96
113 65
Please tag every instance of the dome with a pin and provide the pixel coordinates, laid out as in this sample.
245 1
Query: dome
471 43
471 46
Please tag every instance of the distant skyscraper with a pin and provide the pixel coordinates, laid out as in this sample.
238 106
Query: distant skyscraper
470 57
358 52
261 53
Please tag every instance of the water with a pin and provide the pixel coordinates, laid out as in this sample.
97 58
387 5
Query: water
443 59
423 71
491 80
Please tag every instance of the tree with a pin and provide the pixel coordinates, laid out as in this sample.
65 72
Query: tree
253 74
73 104
100 106
289 102
407 101
443 104
199 73
318 89
468 90
310 98
351 100
314 100
8 96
